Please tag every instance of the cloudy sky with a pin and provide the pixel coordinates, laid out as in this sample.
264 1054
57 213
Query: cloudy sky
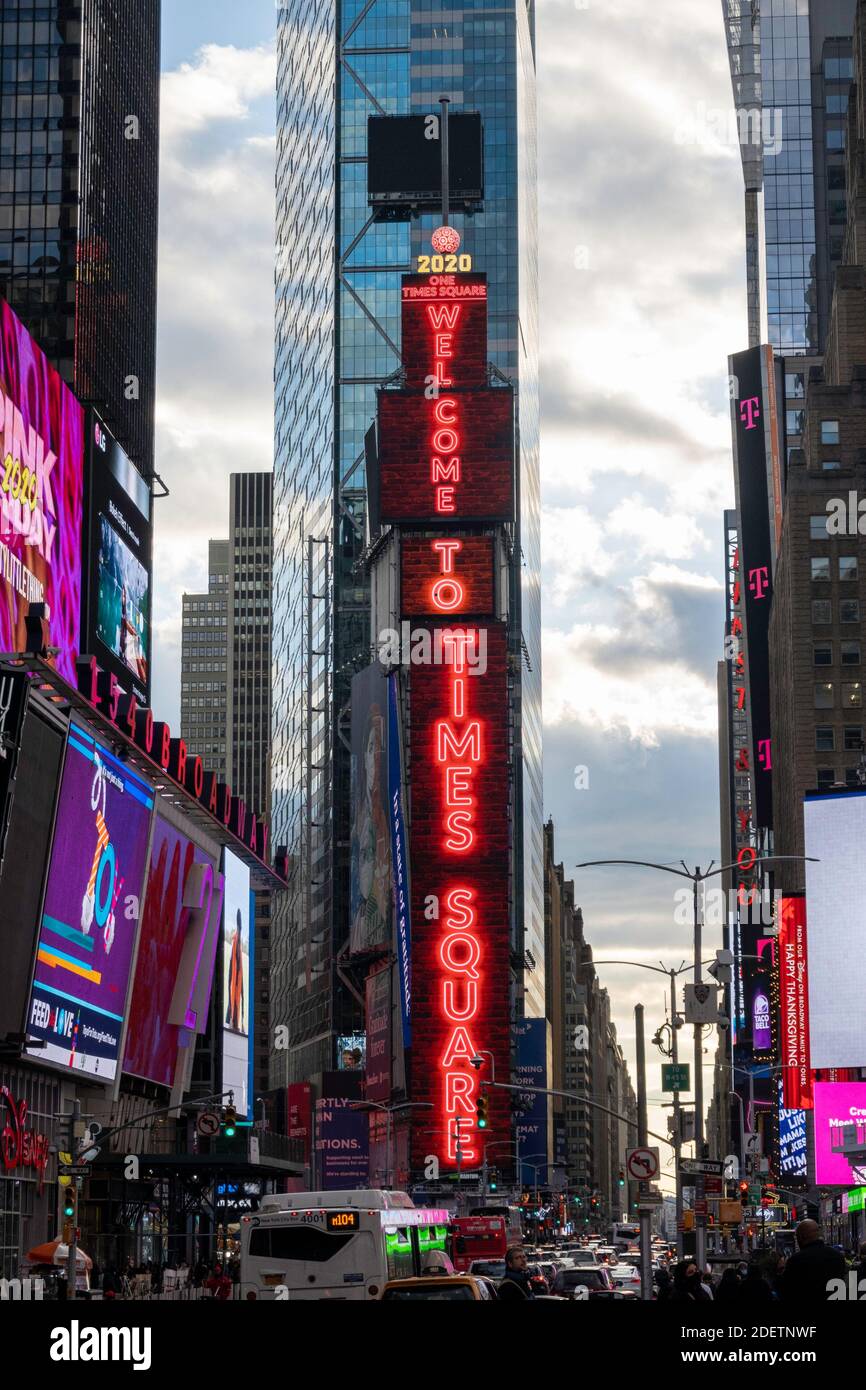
642 282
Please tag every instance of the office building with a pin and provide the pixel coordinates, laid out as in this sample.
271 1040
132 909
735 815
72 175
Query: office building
79 198
226 687
338 339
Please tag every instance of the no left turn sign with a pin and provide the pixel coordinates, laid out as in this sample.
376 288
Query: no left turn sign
642 1164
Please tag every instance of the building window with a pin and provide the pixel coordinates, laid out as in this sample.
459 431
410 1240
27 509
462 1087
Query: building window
831 465
852 778
829 431
826 778
853 736
795 386
849 610
818 527
822 653
850 653
821 611
820 567
852 695
825 738
847 566
824 695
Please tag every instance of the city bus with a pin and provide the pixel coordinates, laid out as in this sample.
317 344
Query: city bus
336 1245
624 1233
477 1238
512 1216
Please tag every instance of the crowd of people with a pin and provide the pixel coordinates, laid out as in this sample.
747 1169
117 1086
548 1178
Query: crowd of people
149 1279
805 1277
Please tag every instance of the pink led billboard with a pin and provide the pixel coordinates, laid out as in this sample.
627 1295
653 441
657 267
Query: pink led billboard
41 495
837 1104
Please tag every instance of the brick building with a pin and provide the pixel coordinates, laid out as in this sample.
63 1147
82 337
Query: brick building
816 625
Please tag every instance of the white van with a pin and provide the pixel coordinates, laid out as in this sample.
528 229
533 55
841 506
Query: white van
337 1245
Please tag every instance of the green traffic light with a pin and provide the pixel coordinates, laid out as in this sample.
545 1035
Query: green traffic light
230 1131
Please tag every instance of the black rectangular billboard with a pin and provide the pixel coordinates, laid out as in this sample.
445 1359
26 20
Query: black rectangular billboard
404 161
30 818
118 563
758 489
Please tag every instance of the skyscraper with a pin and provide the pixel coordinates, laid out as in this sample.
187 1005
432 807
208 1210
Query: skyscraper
226 686
338 332
79 157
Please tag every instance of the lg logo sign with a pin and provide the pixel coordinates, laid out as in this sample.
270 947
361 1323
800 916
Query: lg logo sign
100 438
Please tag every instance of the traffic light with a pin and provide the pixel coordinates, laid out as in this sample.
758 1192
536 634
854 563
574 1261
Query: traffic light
230 1119
744 1194
493 1180
622 1177
481 1104
69 1207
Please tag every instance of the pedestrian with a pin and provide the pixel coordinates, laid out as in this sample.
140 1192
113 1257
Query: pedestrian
810 1270
516 1283
754 1288
200 1273
707 1282
687 1284
110 1282
219 1284
663 1284
729 1286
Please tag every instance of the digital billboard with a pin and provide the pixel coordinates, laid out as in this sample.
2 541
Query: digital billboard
169 931
446 458
794 1005
758 491
531 1126
352 1052
236 980
837 1104
445 575
342 1132
41 496
793 1142
460 845
404 160
119 560
371 878
835 833
91 909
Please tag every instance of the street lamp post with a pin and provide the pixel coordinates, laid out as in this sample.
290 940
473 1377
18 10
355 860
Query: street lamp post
696 877
389 1109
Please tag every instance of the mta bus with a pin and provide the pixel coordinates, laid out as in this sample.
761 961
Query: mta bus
477 1238
336 1245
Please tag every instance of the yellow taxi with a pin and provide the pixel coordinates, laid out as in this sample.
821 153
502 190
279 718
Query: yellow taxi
450 1288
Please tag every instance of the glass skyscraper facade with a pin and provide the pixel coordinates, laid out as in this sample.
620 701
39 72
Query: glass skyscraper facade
337 339
79 197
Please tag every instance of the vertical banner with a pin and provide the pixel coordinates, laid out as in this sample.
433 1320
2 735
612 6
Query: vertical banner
378 1014
532 1126
400 860
460 851
794 1005
342 1133
371 890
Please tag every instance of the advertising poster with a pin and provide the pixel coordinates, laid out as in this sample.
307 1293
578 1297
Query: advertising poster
300 1118
152 1041
793 1142
400 860
342 1134
352 1051
532 1126
236 980
120 548
794 1004
378 1015
371 889
92 909
41 495
837 1103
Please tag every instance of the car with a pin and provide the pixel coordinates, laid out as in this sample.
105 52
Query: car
626 1277
575 1259
597 1282
444 1288
488 1269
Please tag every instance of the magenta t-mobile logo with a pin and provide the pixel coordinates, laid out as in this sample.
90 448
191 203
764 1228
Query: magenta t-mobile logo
750 411
765 756
759 581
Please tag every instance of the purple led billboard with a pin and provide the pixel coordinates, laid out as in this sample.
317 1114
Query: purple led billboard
41 495
167 928
91 910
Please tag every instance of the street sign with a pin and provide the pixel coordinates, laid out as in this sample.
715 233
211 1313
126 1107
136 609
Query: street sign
702 1165
650 1199
73 1170
713 1186
642 1164
676 1076
207 1124
701 1003
700 1208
